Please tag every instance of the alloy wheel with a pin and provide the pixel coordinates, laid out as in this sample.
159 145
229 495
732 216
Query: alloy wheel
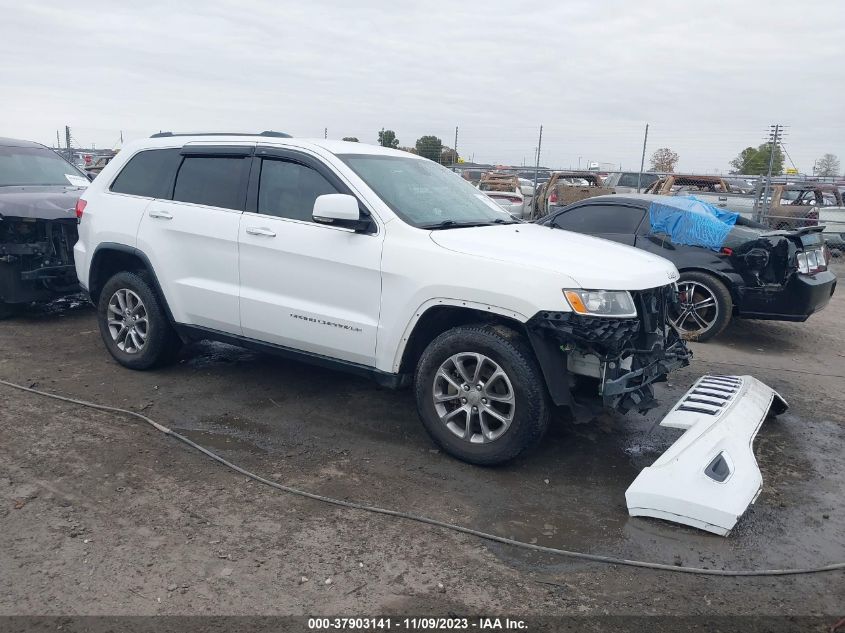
474 397
697 308
127 321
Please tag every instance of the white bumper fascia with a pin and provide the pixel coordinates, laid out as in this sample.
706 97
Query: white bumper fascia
709 476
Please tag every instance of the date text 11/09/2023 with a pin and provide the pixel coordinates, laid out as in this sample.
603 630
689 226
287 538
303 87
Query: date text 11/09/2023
416 624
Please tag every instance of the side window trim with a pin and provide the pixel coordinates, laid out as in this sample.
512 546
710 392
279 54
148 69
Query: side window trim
300 158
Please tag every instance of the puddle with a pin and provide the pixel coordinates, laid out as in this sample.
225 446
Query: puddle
220 441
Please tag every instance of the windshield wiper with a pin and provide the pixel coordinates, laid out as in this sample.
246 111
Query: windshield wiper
451 224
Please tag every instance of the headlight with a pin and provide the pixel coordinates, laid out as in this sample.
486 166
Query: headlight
610 303
803 264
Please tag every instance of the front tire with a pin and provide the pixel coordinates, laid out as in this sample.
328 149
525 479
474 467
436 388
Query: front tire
704 308
481 394
133 323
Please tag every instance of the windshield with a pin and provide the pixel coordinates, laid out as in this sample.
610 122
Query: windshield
37 166
425 194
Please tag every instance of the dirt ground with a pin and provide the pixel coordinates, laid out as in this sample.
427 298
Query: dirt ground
103 515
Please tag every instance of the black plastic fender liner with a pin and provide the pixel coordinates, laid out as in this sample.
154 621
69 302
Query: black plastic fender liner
552 363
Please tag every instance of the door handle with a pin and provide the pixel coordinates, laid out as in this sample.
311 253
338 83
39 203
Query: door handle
161 215
260 230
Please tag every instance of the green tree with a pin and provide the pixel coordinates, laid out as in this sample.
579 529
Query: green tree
430 147
448 156
755 161
387 138
351 139
664 159
827 165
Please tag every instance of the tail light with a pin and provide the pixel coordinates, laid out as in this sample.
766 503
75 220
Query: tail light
811 261
726 251
511 199
553 197
80 208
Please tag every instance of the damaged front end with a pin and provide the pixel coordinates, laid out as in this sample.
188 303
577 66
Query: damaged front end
36 258
620 357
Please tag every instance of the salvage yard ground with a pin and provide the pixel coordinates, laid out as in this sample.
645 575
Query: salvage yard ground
103 515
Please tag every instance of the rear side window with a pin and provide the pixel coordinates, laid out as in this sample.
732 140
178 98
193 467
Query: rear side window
601 218
288 190
212 181
148 173
630 180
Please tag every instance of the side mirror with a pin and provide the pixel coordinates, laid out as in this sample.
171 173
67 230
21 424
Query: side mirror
339 209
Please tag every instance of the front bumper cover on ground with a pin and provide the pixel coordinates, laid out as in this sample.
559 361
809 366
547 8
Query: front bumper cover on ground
709 476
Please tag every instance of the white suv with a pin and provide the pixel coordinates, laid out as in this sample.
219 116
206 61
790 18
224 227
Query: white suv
378 262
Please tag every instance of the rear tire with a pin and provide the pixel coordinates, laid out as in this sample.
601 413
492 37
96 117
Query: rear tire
705 306
134 324
481 395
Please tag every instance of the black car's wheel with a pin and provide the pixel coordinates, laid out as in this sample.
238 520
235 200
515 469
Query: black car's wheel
481 395
133 323
704 306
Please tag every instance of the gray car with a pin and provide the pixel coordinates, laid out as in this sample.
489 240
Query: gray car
39 191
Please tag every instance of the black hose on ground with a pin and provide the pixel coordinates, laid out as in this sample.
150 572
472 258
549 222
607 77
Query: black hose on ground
596 558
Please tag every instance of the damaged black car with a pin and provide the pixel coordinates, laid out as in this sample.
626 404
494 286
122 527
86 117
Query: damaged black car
731 267
38 195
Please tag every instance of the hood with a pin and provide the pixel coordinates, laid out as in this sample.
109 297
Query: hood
40 202
593 263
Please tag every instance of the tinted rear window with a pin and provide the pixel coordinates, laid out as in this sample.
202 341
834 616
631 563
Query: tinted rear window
211 181
601 218
148 173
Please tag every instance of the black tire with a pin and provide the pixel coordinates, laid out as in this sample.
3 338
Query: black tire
161 345
507 349
719 320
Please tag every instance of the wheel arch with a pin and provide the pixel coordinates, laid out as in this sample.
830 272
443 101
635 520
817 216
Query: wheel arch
732 281
110 258
437 316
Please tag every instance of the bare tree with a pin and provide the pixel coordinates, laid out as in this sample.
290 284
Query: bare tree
664 159
828 165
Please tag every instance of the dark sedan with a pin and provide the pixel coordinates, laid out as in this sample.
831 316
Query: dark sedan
749 271
38 194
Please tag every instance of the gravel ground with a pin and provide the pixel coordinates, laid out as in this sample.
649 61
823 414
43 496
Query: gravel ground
103 515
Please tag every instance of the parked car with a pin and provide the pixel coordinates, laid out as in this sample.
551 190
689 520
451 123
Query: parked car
38 193
378 262
97 165
755 273
629 181
508 191
566 187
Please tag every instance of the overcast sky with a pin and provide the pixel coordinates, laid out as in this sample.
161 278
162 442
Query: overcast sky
709 77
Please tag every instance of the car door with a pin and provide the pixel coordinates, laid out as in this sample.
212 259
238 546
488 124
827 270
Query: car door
608 220
191 237
306 286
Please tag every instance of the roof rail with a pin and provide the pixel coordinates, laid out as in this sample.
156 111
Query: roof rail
264 133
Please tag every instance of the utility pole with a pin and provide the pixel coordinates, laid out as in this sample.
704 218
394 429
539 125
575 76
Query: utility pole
642 160
536 171
456 144
325 132
67 144
774 138
58 141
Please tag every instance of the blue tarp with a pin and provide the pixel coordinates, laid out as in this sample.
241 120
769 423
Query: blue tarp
688 220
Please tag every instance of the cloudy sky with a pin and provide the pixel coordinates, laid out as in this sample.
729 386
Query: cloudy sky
709 77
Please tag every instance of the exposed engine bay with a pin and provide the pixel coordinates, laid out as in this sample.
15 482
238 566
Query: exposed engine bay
622 357
36 258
